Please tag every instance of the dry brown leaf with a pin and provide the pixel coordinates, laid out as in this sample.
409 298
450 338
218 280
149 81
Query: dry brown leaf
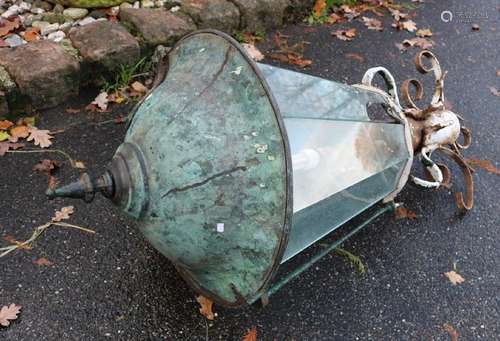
46 166
359 58
409 25
397 14
319 6
451 332
9 313
39 137
79 164
18 132
423 43
253 52
494 91
251 335
206 307
484 164
373 24
334 18
345 35
5 124
454 277
6 146
101 101
19 244
64 213
422 33
139 87
72 111
402 213
31 34
43 262
6 26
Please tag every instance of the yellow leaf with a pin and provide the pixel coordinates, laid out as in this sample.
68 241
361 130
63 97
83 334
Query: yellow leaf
454 277
318 7
79 164
29 121
422 33
206 307
4 135
251 335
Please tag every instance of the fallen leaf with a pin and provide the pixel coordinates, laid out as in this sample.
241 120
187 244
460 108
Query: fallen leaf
345 35
40 137
6 25
29 121
72 111
451 332
64 213
484 164
18 132
253 52
20 245
359 58
422 33
5 124
79 164
454 277
116 98
101 101
46 166
289 54
9 313
349 12
43 262
397 14
475 27
319 6
402 213
139 87
423 43
409 25
31 34
251 335
4 135
373 24
206 307
334 18
494 91
6 146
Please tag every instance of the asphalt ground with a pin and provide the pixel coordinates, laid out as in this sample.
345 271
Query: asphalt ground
113 285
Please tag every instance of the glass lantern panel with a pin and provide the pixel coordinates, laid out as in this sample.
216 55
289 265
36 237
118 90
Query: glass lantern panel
302 95
340 168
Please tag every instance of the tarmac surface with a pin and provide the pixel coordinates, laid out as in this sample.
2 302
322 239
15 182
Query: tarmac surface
113 286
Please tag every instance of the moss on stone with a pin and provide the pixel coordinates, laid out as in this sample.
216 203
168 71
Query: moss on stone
88 3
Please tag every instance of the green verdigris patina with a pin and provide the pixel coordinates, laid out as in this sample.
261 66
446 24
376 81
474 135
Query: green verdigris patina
217 192
88 3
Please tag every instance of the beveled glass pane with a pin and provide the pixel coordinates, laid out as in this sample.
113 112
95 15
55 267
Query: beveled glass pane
302 95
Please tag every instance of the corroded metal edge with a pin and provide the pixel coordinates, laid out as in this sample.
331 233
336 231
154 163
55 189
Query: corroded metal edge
268 276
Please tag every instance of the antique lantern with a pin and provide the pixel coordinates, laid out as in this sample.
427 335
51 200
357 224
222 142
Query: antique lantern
232 167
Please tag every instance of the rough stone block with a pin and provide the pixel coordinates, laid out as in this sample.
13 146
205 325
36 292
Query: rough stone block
261 14
103 47
44 73
157 26
219 14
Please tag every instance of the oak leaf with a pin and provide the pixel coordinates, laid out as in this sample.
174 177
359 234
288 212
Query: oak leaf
397 14
4 135
18 132
206 307
454 277
484 164
5 124
64 213
9 313
373 24
409 25
6 25
101 101
251 335
6 146
46 166
39 137
345 35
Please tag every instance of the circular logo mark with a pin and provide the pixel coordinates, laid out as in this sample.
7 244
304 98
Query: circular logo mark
446 16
